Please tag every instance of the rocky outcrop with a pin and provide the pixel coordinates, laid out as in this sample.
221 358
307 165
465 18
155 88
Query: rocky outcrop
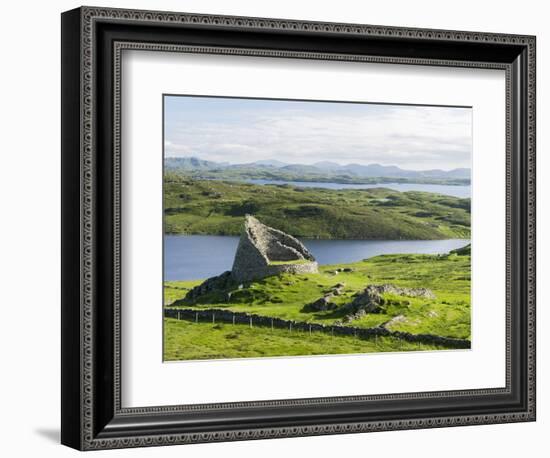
322 304
338 289
464 251
399 319
218 283
370 299
264 251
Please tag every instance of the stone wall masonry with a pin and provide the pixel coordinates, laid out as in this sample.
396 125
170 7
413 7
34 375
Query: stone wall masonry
243 274
228 316
260 245
280 240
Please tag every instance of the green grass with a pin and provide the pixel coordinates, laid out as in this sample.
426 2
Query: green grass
218 208
185 340
174 290
293 261
285 296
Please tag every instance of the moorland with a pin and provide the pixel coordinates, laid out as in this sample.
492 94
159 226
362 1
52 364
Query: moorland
216 207
209 199
287 296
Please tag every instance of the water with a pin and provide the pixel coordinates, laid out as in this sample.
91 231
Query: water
462 191
192 257
344 251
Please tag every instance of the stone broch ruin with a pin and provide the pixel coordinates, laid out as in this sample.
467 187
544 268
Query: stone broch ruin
264 251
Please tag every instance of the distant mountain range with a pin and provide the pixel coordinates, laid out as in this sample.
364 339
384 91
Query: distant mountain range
320 171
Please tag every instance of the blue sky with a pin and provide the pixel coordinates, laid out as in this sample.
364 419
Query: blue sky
245 130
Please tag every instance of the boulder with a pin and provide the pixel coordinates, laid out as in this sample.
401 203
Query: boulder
370 299
322 304
219 283
338 289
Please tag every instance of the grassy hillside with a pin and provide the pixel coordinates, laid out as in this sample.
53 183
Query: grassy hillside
218 207
285 296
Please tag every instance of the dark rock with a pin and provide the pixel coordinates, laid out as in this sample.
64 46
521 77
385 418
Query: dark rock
218 283
355 316
370 299
322 304
338 289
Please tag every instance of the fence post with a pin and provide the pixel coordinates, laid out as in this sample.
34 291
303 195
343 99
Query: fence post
251 322
179 315
196 317
233 320
213 317
272 324
290 327
310 329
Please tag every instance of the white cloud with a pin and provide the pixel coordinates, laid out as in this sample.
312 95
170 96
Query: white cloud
177 149
411 137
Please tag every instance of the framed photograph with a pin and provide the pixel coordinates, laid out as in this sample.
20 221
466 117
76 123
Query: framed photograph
276 228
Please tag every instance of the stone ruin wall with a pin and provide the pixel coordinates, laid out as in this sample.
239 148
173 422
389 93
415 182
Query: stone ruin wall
284 247
244 275
260 244
247 256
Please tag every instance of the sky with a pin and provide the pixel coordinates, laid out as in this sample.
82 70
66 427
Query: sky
238 130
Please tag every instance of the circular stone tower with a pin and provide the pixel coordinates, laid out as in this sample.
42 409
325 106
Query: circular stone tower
264 251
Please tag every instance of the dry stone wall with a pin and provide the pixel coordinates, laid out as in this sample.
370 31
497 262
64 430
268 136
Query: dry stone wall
228 316
264 251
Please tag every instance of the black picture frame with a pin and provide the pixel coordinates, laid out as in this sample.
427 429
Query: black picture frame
92 416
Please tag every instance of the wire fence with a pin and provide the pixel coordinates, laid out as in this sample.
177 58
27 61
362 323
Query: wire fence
253 320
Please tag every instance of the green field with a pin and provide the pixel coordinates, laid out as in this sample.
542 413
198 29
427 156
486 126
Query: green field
186 340
285 296
218 208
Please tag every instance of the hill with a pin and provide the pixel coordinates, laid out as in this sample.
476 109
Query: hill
217 208
446 313
320 172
